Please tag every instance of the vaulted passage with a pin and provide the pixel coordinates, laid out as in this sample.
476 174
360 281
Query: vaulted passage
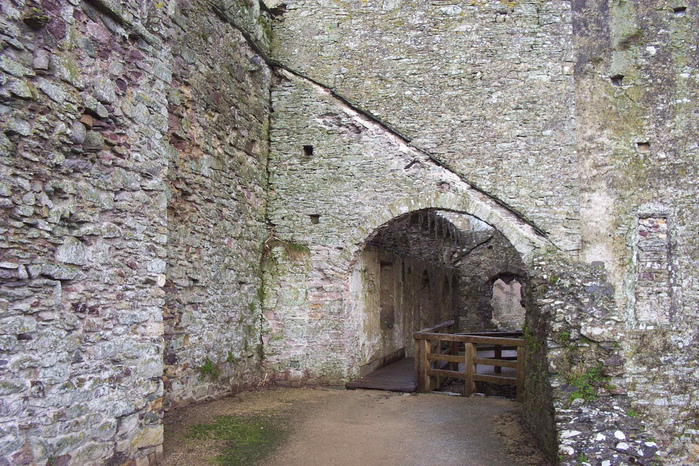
427 267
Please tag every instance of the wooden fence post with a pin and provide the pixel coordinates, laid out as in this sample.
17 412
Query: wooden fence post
520 373
469 384
435 380
416 361
497 354
454 351
423 364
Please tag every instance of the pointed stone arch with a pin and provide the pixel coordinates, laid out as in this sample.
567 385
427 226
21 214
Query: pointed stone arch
428 298
361 175
523 236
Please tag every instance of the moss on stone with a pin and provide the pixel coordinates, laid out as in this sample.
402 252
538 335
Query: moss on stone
209 370
586 383
293 251
248 439
35 17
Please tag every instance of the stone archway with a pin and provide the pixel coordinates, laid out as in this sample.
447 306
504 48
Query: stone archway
336 176
507 295
523 237
420 269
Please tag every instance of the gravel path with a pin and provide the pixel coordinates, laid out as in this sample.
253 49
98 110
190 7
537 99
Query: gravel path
365 428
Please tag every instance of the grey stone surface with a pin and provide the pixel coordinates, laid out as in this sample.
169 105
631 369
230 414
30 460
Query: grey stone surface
78 132
72 251
485 86
82 329
358 178
576 364
216 227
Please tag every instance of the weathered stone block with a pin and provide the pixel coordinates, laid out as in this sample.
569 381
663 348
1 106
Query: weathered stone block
147 437
93 141
72 251
19 126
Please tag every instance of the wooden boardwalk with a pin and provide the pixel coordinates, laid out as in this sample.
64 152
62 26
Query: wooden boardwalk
396 377
400 376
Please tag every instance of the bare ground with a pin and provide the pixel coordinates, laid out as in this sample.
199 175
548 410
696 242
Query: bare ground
362 427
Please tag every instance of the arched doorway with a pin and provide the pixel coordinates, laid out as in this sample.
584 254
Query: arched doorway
423 268
507 301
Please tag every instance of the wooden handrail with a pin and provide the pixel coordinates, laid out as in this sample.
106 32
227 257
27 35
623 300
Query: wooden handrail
495 362
445 357
431 364
468 338
515 334
441 326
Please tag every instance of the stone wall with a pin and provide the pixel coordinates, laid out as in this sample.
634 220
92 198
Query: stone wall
218 118
335 178
490 256
132 168
507 301
84 233
484 86
146 261
637 75
394 296
586 90
577 402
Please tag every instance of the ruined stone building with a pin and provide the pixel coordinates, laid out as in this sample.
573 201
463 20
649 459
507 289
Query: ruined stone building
203 196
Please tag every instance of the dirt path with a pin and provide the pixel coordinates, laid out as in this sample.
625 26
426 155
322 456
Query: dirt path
358 427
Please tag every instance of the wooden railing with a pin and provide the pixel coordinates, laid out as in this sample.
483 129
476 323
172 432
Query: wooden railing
438 355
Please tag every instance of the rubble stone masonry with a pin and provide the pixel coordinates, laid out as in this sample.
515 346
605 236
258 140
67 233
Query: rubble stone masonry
121 200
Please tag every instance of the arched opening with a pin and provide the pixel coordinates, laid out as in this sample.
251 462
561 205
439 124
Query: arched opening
426 267
507 302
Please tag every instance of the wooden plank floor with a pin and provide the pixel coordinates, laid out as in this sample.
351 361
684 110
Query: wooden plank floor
396 377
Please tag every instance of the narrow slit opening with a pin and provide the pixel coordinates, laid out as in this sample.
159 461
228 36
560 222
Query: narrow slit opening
643 147
307 150
617 80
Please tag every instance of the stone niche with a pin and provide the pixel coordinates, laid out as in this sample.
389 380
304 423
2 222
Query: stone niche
653 274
